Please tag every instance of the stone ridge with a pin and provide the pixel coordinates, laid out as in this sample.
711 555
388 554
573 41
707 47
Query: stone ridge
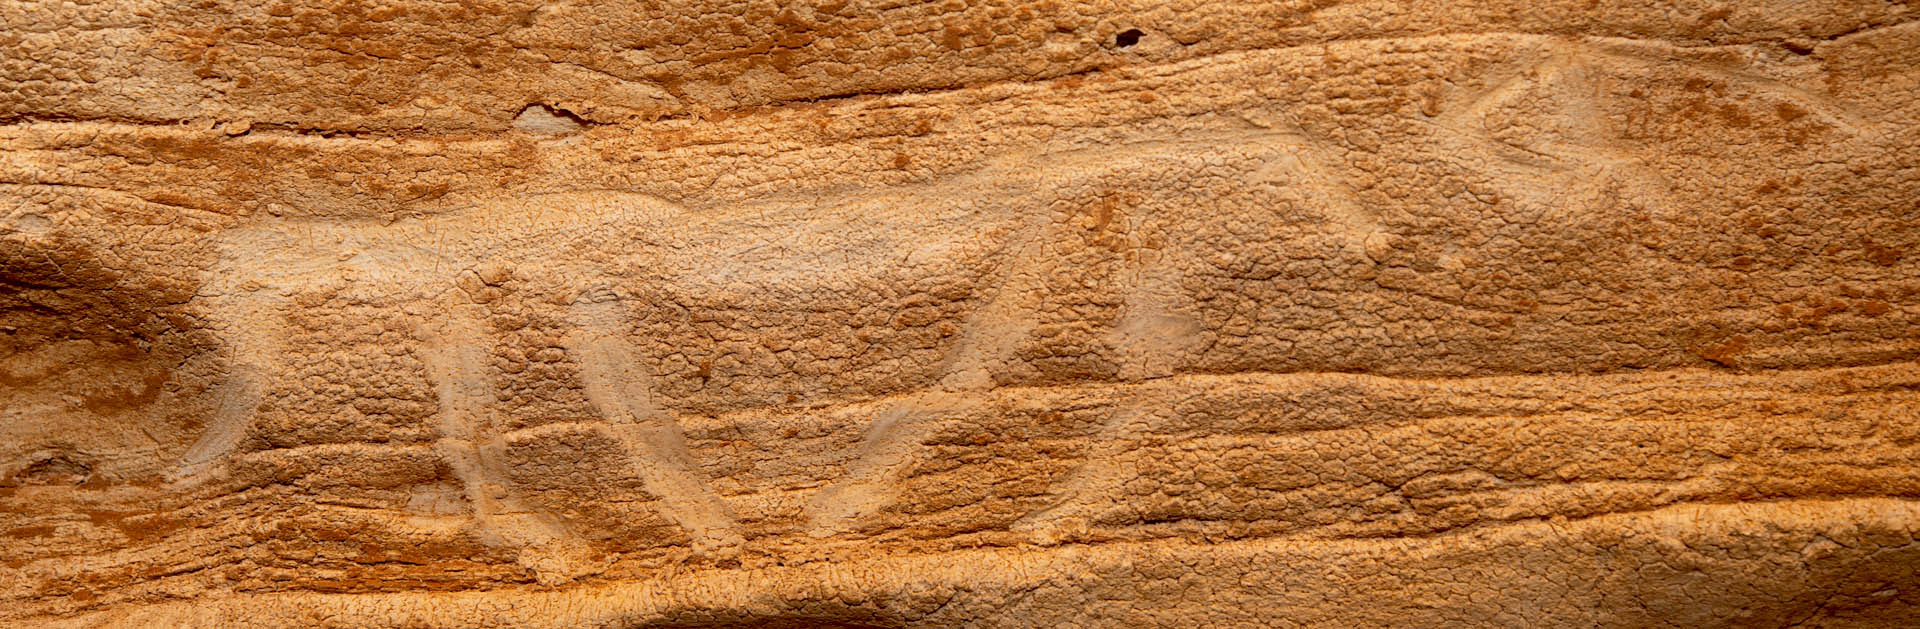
410 66
879 314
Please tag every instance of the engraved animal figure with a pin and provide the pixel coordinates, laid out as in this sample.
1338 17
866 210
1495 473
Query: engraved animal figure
417 268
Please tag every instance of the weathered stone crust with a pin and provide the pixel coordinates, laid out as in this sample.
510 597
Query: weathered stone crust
877 314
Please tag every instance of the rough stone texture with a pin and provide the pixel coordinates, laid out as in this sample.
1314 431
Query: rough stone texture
868 313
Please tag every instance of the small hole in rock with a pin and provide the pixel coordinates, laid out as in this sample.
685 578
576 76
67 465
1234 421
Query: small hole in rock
1128 37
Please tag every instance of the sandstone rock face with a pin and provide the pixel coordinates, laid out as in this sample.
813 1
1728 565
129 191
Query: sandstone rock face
857 313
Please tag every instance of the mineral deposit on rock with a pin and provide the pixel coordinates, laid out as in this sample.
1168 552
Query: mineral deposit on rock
996 313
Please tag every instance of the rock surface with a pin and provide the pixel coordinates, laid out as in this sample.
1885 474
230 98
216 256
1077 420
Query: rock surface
873 314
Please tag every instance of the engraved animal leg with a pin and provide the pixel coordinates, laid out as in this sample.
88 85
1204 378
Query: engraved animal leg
1088 491
1152 333
994 331
253 339
455 355
1151 338
620 390
884 449
988 340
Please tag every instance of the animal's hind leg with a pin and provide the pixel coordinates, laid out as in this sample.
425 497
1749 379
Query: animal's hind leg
456 358
620 390
1149 341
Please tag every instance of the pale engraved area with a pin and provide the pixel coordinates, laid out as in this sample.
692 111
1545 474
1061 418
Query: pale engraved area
621 392
422 260
456 359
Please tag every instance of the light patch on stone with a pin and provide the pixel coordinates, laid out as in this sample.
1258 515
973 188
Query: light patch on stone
537 118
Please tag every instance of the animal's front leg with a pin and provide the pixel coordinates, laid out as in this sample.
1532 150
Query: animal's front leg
987 345
620 389
253 334
455 354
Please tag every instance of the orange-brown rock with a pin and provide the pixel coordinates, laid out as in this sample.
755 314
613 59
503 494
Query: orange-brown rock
400 313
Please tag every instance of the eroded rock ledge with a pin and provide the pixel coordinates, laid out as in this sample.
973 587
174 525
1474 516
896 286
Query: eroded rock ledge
959 314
